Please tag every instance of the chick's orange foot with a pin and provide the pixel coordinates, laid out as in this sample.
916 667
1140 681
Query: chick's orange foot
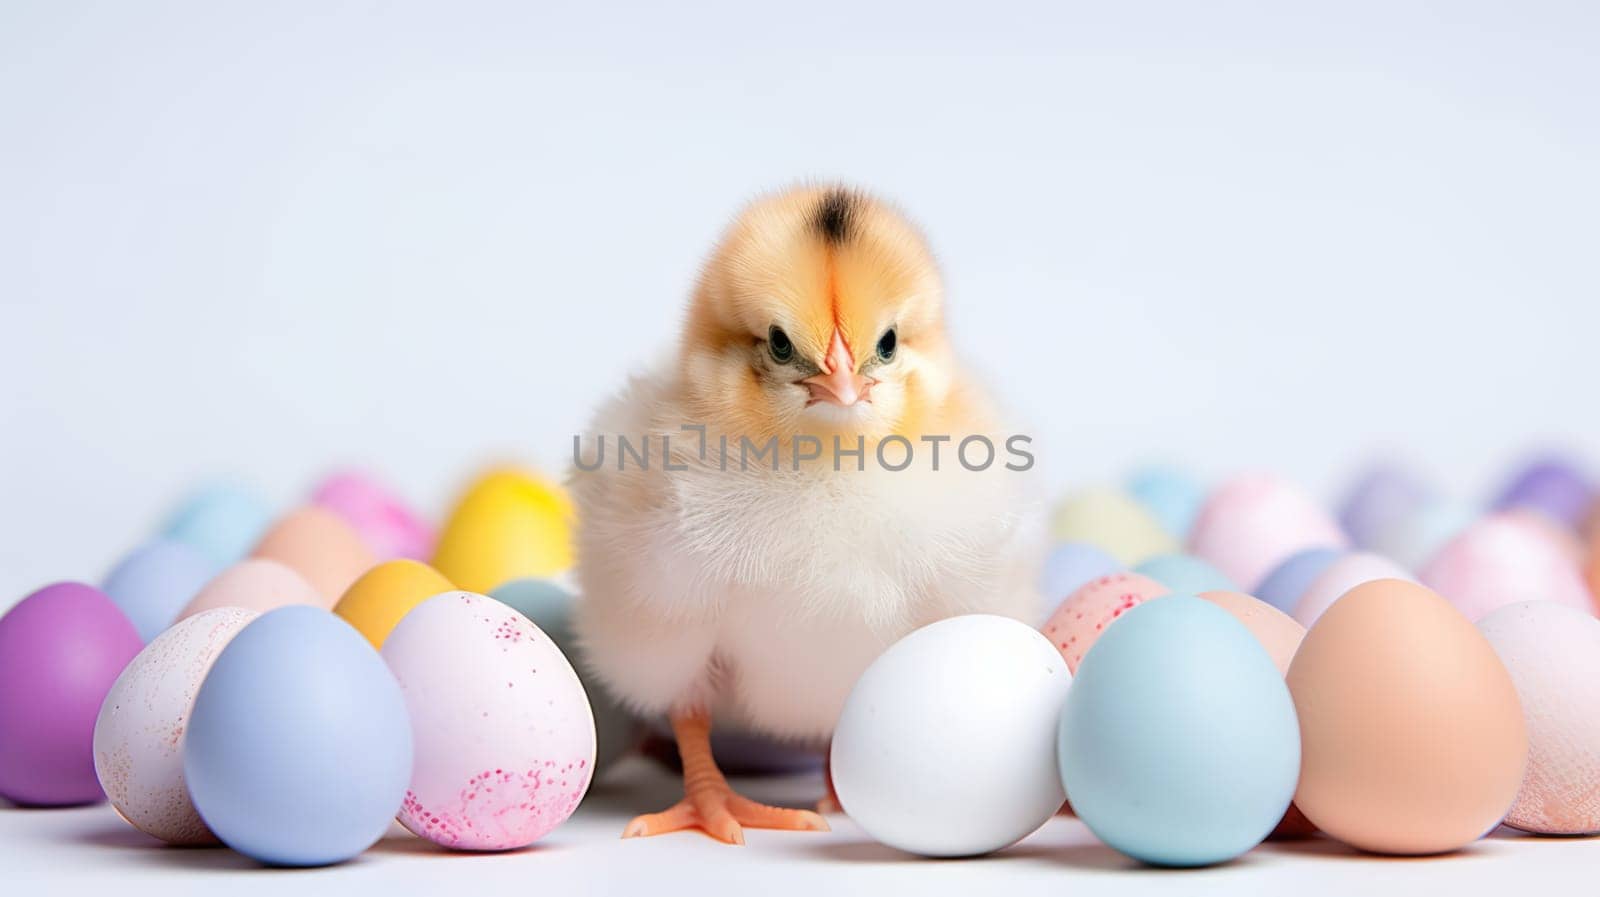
723 814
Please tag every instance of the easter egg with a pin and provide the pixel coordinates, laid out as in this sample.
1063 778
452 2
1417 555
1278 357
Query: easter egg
61 648
1114 522
1502 560
1381 495
1171 495
1184 573
298 748
1413 538
946 745
384 521
1277 632
509 525
549 606
1088 612
1594 565
504 734
254 584
375 603
1553 486
317 544
1340 577
1070 565
1553 655
1289 580
222 521
1252 523
154 583
138 737
1412 736
1178 741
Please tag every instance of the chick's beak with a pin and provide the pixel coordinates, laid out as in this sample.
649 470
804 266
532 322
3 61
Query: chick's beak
838 383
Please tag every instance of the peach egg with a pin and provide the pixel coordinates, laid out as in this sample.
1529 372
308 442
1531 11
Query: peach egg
1278 632
320 546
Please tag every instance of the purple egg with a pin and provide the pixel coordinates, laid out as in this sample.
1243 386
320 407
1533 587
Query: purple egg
1553 486
61 649
1382 495
1289 580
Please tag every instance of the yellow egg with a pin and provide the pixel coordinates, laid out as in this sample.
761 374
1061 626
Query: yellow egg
509 525
375 603
1113 521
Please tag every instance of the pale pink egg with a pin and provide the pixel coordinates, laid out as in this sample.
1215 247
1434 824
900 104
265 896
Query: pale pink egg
1251 523
1341 576
1560 538
1085 614
1502 560
255 584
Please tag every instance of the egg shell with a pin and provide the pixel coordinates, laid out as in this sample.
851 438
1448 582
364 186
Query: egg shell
1502 560
504 734
1414 538
946 745
61 648
1554 486
375 603
1594 564
550 608
255 584
1113 521
1178 741
138 737
155 582
1252 523
1070 565
1184 573
1411 731
1091 610
384 521
1564 541
1279 633
298 748
509 525
1340 577
321 547
1289 580
1381 495
1171 495
1553 655
222 521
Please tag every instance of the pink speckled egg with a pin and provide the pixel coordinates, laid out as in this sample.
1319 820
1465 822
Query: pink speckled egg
384 521
138 738
503 733
1341 576
1252 523
1081 618
255 584
1553 655
1502 560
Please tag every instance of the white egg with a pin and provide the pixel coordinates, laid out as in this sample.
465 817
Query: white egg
947 744
138 737
1341 576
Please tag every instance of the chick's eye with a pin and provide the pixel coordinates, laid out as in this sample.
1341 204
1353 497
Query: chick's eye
886 345
779 345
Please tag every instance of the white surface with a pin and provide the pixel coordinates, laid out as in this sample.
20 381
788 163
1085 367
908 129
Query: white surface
87 851
271 238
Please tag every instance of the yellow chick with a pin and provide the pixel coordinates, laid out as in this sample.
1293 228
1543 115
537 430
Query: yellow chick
764 516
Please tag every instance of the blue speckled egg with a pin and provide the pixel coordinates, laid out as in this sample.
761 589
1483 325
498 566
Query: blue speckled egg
1289 580
298 750
1185 574
1172 496
1179 744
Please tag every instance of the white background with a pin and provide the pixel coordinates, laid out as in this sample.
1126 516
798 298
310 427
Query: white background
266 239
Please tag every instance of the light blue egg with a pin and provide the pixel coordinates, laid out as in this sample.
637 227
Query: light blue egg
298 750
1185 574
223 521
550 607
154 582
1179 744
1283 587
1069 566
1172 496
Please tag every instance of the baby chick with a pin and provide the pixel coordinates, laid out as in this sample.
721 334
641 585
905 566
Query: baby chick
721 582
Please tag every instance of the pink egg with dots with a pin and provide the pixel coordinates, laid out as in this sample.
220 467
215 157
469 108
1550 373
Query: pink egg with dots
504 737
1088 612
